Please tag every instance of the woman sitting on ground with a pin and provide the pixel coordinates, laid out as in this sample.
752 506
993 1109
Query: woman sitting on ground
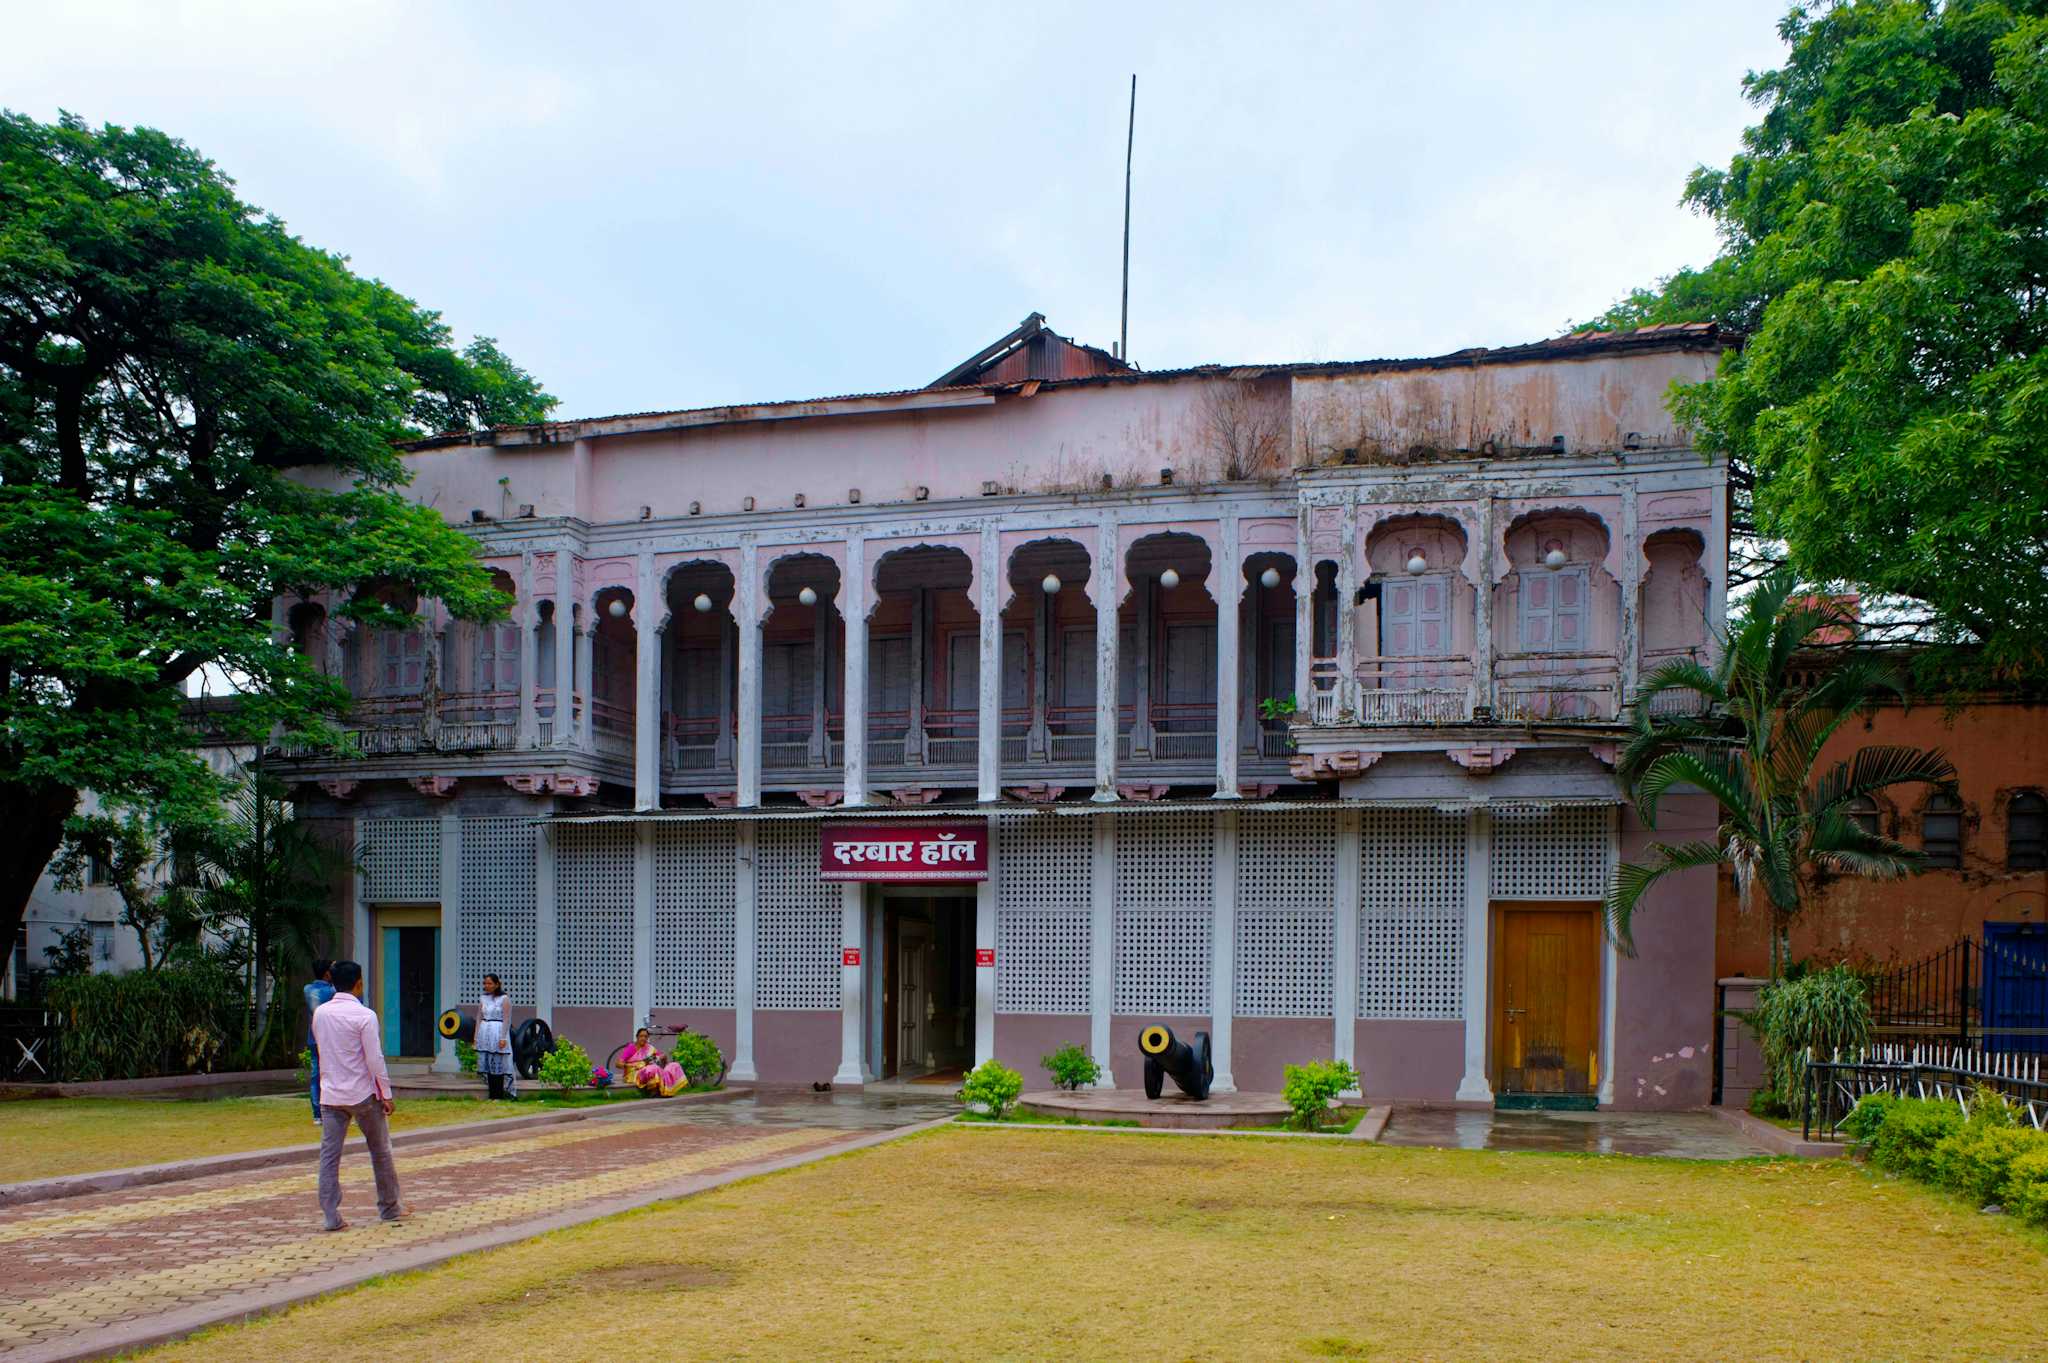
641 1052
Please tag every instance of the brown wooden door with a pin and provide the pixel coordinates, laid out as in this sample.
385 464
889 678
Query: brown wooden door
1546 999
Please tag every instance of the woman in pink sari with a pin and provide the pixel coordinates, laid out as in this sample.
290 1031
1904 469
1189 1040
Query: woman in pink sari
641 1052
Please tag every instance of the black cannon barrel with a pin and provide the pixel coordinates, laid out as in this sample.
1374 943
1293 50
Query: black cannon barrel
457 1025
1187 1063
531 1041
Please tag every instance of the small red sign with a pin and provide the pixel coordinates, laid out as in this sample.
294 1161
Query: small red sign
984 955
850 956
894 850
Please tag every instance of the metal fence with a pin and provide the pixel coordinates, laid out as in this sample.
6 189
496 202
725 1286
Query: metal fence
1956 1073
1991 996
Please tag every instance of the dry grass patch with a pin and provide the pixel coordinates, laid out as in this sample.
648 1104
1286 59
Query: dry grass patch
1037 1245
46 1137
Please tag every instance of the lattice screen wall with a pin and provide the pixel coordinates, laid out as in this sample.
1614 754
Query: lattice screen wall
594 915
1559 853
1286 913
497 906
797 928
1165 912
1044 885
401 861
693 915
1411 922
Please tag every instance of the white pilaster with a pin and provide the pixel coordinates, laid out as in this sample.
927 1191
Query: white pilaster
565 651
1631 597
1610 970
647 631
854 691
1347 613
985 975
586 668
1229 582
988 749
529 653
359 913
1715 562
743 909
852 938
1304 609
747 760
450 984
1475 1087
1102 945
1344 939
643 922
1223 951
1105 584
1482 611
544 925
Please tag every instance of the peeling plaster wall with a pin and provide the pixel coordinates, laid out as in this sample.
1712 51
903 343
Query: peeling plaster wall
1998 748
1664 994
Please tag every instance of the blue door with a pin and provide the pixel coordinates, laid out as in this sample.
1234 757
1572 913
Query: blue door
408 988
2015 1009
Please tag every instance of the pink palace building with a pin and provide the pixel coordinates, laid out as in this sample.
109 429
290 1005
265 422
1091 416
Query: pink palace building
877 735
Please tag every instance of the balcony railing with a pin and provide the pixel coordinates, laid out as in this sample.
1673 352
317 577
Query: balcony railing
1415 691
1557 687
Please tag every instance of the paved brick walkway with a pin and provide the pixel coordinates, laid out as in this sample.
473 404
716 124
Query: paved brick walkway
88 1274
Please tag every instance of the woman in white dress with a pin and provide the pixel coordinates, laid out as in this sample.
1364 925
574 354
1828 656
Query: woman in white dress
494 1041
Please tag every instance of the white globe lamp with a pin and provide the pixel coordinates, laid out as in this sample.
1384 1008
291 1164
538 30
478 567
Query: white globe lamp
703 602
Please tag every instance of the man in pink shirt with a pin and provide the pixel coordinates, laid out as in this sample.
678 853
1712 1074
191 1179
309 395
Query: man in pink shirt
353 1085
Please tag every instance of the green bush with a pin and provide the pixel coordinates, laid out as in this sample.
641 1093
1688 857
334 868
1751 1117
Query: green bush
1862 1124
1905 1142
1767 1103
1071 1067
567 1067
700 1058
1309 1088
1822 1011
304 1073
1977 1159
465 1056
2025 1194
172 1020
992 1086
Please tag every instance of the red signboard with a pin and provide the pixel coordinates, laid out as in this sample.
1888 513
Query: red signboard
897 850
984 955
849 956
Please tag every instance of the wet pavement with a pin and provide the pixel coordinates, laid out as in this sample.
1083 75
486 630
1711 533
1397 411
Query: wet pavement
1674 1135
786 1108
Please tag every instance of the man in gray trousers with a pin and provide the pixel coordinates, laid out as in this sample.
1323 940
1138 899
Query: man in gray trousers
353 1086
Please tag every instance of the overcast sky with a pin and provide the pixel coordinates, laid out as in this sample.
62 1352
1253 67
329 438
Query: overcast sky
676 206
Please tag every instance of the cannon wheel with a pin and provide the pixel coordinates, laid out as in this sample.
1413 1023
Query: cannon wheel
531 1041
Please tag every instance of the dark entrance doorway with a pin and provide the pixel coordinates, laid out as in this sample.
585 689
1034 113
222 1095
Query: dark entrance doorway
927 954
408 986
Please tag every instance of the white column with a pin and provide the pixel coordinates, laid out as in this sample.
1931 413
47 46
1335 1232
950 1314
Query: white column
1102 945
1344 940
852 937
586 668
544 925
1631 649
529 653
1715 563
450 984
359 913
1223 950
1610 962
1229 582
1304 609
647 622
1482 611
565 651
747 610
989 726
743 902
854 691
985 975
643 922
1476 1087
1105 584
1347 614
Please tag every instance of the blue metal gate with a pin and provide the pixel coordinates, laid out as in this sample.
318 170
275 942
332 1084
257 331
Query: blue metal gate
2014 1010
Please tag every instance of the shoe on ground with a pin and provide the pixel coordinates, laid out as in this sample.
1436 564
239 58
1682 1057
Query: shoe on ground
339 1225
404 1213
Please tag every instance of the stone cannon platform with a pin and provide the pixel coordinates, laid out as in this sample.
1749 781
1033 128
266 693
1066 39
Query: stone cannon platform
1172 1110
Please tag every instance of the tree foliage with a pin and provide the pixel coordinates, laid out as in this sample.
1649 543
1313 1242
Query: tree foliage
1885 243
172 361
1764 714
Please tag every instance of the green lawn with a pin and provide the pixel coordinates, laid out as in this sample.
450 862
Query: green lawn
45 1137
1010 1244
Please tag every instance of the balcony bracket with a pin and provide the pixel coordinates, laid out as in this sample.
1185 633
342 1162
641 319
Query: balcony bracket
340 788
1482 760
440 787
818 797
1331 766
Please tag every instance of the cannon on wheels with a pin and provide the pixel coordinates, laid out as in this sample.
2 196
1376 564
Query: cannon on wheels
1187 1063
531 1041
456 1025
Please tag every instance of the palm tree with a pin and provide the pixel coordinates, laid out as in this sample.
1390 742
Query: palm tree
1762 715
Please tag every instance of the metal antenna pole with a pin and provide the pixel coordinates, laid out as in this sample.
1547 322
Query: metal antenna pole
1130 141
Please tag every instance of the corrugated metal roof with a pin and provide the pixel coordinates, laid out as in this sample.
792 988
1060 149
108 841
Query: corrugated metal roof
1071 809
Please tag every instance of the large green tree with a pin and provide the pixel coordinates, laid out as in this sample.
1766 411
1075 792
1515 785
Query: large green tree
169 356
1885 243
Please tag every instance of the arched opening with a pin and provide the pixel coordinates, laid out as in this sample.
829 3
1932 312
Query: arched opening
1672 609
1170 616
2026 831
548 641
1941 832
924 663
307 621
1049 657
1557 620
480 688
1322 660
1415 624
803 666
611 665
701 667
1266 628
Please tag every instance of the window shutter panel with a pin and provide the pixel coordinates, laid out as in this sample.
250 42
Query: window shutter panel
1016 670
1568 617
1536 612
1077 667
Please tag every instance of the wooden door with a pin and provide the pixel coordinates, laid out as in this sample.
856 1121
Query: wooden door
1546 998
913 946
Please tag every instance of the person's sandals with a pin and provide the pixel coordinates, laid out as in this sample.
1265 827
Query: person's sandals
343 1225
404 1213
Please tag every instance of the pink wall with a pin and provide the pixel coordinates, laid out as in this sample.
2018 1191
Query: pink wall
1664 995
1022 1038
1260 1048
596 1030
796 1045
1410 1060
716 1023
1127 1062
